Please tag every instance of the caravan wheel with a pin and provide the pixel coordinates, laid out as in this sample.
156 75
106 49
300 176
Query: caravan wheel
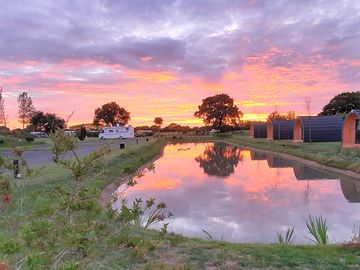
120 138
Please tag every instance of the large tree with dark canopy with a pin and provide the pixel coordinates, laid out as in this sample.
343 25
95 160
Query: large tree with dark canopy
47 122
342 104
158 121
219 159
219 111
111 114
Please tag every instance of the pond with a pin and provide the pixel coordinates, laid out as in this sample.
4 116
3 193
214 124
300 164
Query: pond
241 195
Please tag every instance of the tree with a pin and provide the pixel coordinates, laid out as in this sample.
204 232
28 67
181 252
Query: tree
3 116
275 115
48 122
219 111
82 134
173 127
219 159
111 114
158 121
25 108
342 103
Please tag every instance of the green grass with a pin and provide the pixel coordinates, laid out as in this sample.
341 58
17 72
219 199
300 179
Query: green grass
36 234
8 142
328 153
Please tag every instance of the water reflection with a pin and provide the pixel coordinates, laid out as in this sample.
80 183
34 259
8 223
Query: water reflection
351 189
278 162
255 155
257 197
219 159
302 172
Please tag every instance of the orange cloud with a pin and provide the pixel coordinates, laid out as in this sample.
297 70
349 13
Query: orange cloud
257 87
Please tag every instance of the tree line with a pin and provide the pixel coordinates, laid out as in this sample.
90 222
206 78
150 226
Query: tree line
218 112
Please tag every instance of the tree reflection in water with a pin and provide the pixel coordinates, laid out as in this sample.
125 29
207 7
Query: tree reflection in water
220 159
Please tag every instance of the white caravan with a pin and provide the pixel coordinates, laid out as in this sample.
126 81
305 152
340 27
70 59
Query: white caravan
120 132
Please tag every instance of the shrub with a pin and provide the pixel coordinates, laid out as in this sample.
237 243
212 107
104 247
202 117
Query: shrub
29 139
82 134
288 239
223 135
317 227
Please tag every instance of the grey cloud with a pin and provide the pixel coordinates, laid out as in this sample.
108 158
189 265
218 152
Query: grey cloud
204 37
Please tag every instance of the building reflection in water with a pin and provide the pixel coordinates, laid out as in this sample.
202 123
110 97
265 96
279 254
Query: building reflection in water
350 187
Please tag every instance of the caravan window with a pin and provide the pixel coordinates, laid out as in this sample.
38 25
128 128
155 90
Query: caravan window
127 129
117 130
111 131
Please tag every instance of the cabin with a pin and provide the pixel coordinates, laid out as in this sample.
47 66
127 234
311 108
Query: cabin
351 130
280 129
350 187
258 130
318 129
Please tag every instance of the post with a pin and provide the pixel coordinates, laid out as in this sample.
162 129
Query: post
16 168
122 145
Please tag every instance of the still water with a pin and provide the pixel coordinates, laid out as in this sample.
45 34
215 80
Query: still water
240 195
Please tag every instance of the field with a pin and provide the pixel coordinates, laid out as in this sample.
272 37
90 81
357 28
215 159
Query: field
45 226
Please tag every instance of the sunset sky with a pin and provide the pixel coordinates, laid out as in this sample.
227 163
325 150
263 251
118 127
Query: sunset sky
162 57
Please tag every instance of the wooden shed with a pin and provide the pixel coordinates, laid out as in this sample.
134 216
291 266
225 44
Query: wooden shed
280 129
318 129
351 130
258 130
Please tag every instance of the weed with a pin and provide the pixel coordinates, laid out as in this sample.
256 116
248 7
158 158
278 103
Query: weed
143 215
9 246
62 143
317 227
176 239
80 167
208 235
288 239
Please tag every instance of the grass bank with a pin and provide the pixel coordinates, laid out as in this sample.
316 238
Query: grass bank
41 229
8 142
328 153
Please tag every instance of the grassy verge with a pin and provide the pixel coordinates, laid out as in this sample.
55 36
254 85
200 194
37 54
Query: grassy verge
9 142
329 154
41 229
